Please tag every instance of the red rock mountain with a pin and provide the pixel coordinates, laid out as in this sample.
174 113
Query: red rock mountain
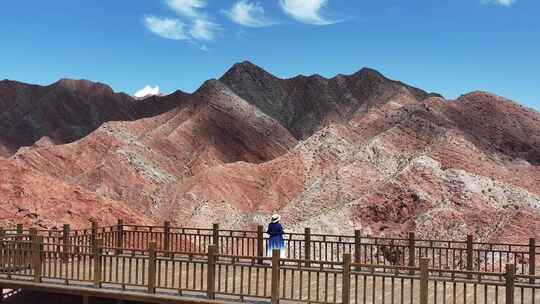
353 151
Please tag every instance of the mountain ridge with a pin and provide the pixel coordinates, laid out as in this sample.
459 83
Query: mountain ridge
378 155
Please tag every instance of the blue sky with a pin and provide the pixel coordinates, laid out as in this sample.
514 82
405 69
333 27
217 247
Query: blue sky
446 46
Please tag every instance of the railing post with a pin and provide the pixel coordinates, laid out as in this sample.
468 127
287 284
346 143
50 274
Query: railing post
19 232
2 234
65 243
307 246
93 232
167 237
97 248
532 259
215 235
211 275
412 252
509 283
469 255
424 280
275 276
26 248
357 246
152 267
260 243
346 279
37 242
119 236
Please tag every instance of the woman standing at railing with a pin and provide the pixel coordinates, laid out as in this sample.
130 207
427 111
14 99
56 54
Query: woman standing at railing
275 230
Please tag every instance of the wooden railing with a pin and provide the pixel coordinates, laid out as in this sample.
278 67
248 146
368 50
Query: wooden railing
443 254
211 274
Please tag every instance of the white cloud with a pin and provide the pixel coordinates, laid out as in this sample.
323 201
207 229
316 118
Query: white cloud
147 91
203 29
502 2
166 27
186 7
248 14
193 25
306 11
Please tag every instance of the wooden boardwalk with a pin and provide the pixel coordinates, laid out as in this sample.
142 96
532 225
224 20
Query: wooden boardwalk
246 280
156 273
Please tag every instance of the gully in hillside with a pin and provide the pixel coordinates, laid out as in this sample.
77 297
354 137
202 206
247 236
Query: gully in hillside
275 230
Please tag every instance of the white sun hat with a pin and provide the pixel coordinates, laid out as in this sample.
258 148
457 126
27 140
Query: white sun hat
275 218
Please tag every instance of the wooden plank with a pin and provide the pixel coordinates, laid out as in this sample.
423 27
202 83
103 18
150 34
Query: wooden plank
275 276
167 237
119 236
260 242
211 275
36 260
357 245
469 254
532 259
152 267
93 231
307 246
215 235
424 280
509 286
412 251
97 255
65 243
346 279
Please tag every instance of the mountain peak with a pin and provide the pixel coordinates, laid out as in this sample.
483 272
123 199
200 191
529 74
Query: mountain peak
244 70
245 65
369 72
82 85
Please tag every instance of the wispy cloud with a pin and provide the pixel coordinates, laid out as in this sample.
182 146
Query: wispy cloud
501 2
189 8
166 27
193 25
147 91
248 14
203 29
306 11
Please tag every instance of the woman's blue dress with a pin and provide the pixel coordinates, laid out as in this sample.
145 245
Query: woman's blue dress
275 230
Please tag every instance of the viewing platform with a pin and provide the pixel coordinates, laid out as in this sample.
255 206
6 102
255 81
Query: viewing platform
165 264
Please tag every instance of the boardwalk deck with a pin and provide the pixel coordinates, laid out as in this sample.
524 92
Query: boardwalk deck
145 273
249 282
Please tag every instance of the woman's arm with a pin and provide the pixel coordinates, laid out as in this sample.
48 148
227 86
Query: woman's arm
280 231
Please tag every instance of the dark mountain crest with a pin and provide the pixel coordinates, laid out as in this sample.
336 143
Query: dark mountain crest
246 68
303 103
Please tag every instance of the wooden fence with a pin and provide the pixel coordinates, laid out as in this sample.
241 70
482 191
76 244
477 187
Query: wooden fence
443 254
210 274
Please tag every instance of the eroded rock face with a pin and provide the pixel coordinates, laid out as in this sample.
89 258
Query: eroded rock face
36 199
66 110
351 152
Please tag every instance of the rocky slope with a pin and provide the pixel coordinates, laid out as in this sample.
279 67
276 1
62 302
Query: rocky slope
353 151
65 111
